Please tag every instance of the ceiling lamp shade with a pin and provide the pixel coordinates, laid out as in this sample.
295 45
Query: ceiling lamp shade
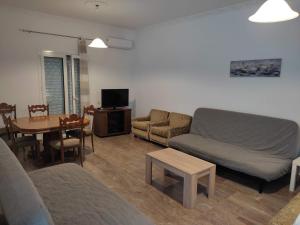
274 11
97 43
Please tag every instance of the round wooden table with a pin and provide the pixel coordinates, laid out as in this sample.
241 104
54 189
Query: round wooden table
40 124
46 125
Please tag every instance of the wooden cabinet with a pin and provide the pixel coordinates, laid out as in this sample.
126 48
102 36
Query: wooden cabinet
110 122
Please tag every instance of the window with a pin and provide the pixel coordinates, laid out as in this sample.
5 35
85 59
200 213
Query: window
61 84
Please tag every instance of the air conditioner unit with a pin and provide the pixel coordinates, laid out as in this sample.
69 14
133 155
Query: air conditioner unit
119 43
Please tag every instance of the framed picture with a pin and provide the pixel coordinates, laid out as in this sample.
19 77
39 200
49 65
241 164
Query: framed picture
256 68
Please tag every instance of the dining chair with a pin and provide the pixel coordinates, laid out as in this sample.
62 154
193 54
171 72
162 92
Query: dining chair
9 110
72 122
23 142
38 108
88 111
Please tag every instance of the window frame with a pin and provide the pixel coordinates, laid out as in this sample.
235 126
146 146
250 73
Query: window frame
74 83
43 78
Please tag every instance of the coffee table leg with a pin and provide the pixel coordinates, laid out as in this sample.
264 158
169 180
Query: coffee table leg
190 191
148 170
212 181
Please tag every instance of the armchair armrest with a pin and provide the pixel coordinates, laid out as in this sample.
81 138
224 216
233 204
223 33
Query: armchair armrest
160 123
146 118
175 131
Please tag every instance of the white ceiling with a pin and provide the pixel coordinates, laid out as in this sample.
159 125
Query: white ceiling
124 13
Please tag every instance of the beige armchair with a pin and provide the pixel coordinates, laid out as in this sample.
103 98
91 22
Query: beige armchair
176 125
141 126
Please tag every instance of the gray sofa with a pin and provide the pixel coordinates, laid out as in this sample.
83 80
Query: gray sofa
259 146
64 194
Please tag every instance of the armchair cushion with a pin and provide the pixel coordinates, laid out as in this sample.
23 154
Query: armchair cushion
162 131
180 120
141 125
158 115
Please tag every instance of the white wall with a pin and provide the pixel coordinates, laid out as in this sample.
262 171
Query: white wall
184 64
20 68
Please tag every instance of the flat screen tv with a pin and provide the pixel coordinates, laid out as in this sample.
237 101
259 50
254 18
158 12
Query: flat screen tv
112 98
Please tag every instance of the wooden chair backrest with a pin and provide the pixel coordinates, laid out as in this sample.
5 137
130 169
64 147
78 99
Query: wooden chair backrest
71 122
8 109
89 110
8 126
38 108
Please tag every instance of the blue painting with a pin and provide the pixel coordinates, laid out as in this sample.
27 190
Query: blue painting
256 68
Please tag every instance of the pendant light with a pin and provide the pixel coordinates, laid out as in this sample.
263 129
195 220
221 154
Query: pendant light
274 11
97 43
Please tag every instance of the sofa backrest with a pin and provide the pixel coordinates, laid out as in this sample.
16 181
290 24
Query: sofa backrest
19 199
274 136
179 120
158 115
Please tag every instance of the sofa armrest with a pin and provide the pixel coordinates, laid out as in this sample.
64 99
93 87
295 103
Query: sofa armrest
160 123
146 118
175 131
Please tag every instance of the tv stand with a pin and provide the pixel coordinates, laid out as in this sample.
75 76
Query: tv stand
112 121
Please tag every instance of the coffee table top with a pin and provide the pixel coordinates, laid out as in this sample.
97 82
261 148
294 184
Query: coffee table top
40 124
181 161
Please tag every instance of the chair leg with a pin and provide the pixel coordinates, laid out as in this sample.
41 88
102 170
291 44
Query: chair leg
15 150
52 155
80 156
24 154
37 150
74 154
83 141
92 139
62 155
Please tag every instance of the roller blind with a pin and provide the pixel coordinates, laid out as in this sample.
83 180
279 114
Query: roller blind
54 80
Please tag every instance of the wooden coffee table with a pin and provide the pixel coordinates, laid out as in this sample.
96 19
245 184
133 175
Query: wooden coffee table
186 166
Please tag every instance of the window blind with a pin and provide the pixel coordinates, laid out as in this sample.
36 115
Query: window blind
54 79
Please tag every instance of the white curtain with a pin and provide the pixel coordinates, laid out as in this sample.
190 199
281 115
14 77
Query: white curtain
84 73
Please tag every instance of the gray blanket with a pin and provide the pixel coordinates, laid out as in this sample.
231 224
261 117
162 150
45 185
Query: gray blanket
273 136
73 196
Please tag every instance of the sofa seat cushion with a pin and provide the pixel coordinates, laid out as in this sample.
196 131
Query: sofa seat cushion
20 201
75 197
68 143
141 125
255 163
161 131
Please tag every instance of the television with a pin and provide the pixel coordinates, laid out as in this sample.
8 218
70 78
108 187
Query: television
112 98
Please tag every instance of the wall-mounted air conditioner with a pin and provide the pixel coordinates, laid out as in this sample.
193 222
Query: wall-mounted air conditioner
119 43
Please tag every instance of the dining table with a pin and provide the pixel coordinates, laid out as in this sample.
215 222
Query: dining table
48 126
